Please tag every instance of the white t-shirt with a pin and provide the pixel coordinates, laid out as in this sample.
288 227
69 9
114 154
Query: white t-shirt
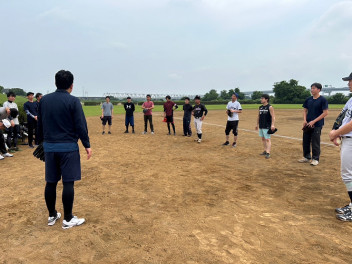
348 116
12 105
233 106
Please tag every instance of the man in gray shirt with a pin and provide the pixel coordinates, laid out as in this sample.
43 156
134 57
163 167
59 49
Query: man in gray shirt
107 114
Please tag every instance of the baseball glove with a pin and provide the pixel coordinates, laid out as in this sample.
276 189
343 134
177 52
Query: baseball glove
39 152
307 129
338 120
272 131
229 113
145 110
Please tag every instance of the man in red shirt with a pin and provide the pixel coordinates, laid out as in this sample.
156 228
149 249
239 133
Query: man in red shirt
169 113
147 110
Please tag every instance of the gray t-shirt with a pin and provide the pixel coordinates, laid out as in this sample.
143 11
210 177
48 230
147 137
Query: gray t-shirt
12 105
3 113
107 107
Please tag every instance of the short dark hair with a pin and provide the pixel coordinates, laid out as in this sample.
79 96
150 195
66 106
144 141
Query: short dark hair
187 98
317 85
129 97
168 97
107 97
266 96
11 94
197 97
63 79
37 95
148 95
13 112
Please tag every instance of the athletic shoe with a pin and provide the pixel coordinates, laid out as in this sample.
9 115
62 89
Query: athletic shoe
174 134
189 135
52 219
1 157
226 143
234 144
126 131
267 155
314 163
168 134
31 146
103 132
184 135
75 221
109 132
132 131
303 160
152 132
7 155
345 217
263 153
344 210
144 132
199 140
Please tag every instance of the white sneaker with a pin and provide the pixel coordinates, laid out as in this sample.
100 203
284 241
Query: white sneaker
1 157
199 140
304 160
144 132
52 219
75 221
152 132
7 155
314 163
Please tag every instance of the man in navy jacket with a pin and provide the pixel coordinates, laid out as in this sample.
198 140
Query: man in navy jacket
61 122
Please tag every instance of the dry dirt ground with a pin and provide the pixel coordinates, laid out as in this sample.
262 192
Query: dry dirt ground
167 199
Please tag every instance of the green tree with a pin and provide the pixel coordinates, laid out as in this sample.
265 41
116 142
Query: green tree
1 89
290 92
224 95
256 95
211 95
338 98
18 91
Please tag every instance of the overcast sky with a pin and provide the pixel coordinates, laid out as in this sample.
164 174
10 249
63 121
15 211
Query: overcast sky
174 46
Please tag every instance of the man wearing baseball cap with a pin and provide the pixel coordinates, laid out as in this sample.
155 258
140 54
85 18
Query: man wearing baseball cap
345 134
6 116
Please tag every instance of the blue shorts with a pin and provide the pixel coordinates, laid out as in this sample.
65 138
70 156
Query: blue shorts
129 120
65 164
263 132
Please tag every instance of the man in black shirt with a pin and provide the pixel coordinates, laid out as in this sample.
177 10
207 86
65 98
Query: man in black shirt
187 116
129 119
265 121
199 112
31 109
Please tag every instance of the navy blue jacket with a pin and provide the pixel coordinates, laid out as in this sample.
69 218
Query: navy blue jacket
61 119
31 110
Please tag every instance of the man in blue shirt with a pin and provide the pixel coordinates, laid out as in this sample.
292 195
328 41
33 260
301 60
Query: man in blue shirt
315 109
61 122
31 109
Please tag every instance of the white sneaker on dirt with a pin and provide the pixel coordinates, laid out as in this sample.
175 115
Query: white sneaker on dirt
75 221
52 219
199 140
304 160
1 157
314 163
7 155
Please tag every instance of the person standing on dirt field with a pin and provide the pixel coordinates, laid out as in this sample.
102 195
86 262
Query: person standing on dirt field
344 133
265 121
199 113
129 119
148 106
187 116
169 113
61 122
315 109
233 109
30 107
107 114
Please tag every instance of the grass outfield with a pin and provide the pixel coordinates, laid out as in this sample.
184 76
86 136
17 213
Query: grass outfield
96 111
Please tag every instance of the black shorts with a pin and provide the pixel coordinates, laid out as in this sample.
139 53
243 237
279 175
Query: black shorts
106 119
169 119
231 125
65 164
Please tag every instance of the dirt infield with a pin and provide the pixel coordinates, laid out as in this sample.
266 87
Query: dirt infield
167 199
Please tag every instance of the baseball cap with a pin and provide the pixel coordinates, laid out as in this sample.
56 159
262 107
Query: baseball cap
235 94
30 93
347 78
6 123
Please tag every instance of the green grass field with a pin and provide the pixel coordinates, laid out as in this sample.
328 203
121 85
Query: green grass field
96 111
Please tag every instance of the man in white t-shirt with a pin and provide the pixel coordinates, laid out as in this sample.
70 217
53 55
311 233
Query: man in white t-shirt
344 133
14 131
233 109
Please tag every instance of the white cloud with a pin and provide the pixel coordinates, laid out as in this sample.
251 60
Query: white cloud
174 76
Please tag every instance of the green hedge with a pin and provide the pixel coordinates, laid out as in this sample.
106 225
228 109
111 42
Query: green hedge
91 103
